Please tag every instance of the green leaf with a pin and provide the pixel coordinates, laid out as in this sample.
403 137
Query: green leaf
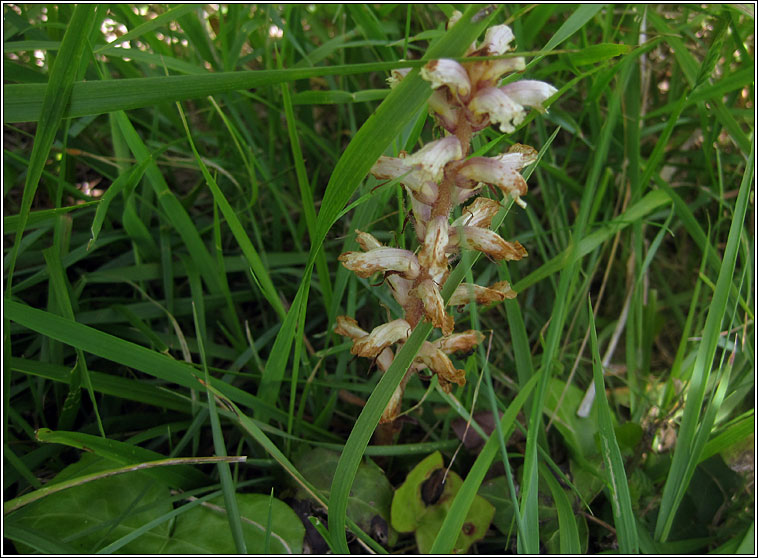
205 530
97 514
692 436
597 53
370 497
567 527
54 97
23 102
423 503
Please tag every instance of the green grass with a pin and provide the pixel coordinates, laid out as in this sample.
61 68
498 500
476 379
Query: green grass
176 181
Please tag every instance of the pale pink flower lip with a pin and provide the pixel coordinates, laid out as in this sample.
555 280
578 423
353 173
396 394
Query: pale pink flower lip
497 40
529 93
380 337
502 171
365 264
447 72
500 108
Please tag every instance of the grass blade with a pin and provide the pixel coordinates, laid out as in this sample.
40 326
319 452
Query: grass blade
688 447
54 99
224 472
456 515
623 515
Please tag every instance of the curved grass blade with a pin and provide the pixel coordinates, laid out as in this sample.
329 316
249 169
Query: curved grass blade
257 268
54 97
126 180
568 531
112 348
28 498
183 477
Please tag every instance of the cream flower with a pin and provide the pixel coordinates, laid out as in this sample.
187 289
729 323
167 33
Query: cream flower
497 40
397 75
398 284
421 171
366 241
447 72
348 327
380 337
500 108
501 171
439 363
529 93
382 259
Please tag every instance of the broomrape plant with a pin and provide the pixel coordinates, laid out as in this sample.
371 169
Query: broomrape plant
437 178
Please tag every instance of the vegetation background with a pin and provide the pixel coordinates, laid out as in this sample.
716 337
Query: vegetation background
177 187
